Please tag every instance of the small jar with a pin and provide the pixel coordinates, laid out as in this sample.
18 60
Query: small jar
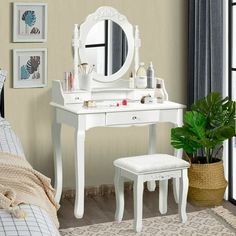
159 94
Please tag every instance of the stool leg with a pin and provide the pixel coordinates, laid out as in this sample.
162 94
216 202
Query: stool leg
163 194
138 203
176 189
183 191
119 191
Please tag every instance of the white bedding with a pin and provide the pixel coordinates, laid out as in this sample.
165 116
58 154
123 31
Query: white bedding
9 142
37 222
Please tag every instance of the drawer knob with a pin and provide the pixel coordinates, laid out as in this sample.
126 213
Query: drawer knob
134 118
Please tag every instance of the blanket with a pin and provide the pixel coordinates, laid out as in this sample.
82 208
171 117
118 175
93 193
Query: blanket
20 183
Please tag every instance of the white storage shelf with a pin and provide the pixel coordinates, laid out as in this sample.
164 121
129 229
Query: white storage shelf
98 94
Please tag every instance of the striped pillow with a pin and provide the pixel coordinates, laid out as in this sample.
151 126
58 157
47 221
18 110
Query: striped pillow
9 142
3 75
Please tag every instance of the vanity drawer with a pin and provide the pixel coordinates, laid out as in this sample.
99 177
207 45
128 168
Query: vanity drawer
136 117
169 115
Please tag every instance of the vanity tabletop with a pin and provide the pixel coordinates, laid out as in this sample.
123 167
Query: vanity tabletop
110 106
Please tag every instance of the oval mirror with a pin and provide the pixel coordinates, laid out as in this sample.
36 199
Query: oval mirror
106 47
107 42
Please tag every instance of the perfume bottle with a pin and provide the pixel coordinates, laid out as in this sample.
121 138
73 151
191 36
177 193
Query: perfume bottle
131 81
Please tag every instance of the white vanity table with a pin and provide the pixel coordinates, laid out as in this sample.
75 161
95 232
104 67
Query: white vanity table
68 106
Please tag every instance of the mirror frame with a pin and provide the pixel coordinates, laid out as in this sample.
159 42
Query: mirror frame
107 13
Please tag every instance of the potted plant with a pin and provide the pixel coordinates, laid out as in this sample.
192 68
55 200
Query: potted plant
210 122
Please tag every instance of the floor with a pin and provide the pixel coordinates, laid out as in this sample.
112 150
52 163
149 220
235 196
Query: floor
101 209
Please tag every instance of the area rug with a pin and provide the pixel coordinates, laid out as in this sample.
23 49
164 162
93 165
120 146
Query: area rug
215 221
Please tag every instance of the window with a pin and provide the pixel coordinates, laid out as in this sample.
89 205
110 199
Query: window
97 47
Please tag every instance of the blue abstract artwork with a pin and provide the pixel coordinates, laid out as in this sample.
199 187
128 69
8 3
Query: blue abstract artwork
30 69
29 18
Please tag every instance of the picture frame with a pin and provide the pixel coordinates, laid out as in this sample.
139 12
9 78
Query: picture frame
30 68
29 22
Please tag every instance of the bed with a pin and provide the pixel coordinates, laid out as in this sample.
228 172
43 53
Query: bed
37 222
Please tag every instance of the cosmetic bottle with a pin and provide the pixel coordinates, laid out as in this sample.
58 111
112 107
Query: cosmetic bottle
158 94
131 81
141 77
150 76
161 81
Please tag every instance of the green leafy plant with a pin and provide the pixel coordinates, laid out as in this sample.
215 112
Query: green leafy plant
210 122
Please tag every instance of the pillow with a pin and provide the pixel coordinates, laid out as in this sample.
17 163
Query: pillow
9 141
3 75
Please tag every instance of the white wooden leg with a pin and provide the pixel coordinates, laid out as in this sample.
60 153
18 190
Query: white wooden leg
119 191
176 189
163 194
56 139
138 203
178 153
151 185
183 191
79 173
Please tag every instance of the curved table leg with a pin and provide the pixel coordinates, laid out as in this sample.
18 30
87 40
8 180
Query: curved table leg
56 137
178 153
183 192
119 190
151 185
79 173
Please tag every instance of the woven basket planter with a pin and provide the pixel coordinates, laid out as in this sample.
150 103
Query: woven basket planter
207 184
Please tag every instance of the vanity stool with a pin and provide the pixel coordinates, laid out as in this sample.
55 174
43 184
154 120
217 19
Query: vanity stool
148 168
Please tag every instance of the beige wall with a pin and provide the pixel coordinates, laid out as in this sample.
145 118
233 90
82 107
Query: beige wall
163 28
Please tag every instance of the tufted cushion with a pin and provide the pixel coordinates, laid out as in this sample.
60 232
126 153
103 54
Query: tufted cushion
150 163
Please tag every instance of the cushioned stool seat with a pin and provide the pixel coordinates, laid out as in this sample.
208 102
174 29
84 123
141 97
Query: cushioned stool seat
150 163
148 168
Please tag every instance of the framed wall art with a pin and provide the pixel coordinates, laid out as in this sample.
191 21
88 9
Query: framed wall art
29 22
29 68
